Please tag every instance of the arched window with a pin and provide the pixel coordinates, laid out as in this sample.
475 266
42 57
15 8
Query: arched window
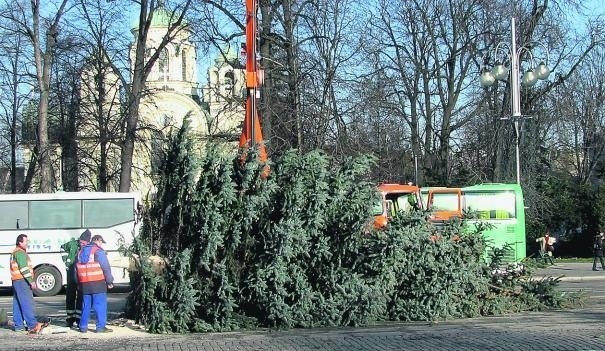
166 120
228 83
157 151
164 65
184 64
228 80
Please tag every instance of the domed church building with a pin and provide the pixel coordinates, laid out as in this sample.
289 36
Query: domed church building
173 94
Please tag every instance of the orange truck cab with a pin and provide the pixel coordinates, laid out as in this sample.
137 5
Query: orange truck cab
395 198
444 203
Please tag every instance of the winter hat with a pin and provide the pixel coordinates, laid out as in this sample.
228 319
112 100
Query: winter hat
85 236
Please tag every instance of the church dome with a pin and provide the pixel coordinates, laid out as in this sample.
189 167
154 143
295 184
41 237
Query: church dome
161 18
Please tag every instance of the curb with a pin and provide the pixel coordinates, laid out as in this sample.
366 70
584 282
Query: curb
573 278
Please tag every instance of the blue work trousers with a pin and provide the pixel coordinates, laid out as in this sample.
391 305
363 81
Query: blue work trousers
98 302
23 305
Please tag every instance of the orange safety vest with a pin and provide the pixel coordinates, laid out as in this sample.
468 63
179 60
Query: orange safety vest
16 273
91 271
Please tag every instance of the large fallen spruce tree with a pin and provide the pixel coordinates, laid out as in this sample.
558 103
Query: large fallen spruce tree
245 246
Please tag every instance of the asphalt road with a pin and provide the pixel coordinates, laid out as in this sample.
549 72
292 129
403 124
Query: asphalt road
579 277
54 306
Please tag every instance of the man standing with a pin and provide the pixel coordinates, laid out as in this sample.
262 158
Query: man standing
73 299
94 278
547 247
22 275
598 251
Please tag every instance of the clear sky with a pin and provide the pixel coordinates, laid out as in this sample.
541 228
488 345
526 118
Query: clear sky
597 7
594 9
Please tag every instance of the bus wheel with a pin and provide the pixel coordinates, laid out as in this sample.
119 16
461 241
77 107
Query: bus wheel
48 281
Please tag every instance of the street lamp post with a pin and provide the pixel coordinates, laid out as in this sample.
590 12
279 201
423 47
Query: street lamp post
530 77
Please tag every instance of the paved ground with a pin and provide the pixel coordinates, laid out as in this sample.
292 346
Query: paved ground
581 329
573 272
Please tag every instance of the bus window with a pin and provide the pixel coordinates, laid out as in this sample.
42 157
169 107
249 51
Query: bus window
102 213
501 205
445 202
55 214
14 215
403 204
390 208
377 209
406 202
490 205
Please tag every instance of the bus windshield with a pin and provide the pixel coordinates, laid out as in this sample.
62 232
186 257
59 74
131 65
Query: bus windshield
377 209
445 202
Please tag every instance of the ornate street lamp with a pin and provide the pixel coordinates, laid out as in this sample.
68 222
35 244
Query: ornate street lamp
501 72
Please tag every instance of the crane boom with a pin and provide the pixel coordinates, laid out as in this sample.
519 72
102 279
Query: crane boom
252 134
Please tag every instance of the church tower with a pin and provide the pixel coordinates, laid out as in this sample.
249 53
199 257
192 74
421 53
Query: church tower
225 95
172 95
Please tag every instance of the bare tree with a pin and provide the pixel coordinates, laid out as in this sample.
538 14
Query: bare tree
427 49
42 31
576 139
331 49
15 93
64 106
101 118
144 59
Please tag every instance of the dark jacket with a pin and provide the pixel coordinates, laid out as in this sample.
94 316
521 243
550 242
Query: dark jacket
100 257
598 246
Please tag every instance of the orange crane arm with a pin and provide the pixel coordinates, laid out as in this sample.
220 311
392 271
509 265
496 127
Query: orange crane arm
252 133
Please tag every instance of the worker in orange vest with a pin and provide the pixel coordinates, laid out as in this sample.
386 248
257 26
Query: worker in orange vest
22 276
94 278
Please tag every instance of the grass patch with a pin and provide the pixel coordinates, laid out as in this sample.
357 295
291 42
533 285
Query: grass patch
573 259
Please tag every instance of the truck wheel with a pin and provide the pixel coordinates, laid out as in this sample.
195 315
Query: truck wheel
48 281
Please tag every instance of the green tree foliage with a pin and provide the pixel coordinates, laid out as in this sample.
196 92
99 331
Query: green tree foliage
169 214
434 274
165 301
600 207
570 211
304 271
291 248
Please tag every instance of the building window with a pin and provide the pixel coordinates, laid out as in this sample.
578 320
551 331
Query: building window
184 65
157 151
164 65
228 84
228 80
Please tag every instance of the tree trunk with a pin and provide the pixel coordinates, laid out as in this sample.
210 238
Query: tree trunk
43 145
130 137
43 61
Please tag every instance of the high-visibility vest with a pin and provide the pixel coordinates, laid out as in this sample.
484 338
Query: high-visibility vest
91 271
24 272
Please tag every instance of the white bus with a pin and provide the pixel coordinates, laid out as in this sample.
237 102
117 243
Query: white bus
50 220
